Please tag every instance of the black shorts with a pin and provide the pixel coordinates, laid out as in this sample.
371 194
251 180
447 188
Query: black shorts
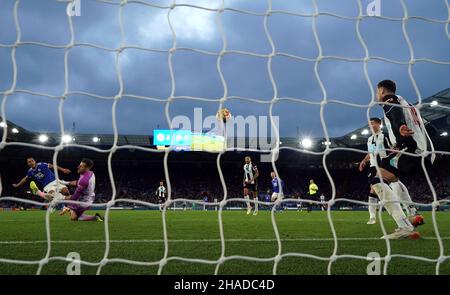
312 197
400 164
162 200
371 173
252 187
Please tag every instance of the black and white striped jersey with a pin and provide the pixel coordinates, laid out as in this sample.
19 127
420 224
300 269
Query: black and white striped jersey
161 192
250 171
405 114
377 146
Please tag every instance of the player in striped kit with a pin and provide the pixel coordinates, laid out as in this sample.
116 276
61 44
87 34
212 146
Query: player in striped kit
251 175
407 133
323 204
377 144
161 193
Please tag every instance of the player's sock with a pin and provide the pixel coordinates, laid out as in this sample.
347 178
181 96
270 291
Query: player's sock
247 198
372 207
85 217
400 190
256 204
386 194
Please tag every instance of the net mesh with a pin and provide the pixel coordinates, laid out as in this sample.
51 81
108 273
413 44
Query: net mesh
172 97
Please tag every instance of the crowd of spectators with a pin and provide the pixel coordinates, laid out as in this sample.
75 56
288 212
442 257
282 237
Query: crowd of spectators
191 181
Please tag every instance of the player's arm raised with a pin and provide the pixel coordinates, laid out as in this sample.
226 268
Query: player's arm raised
21 182
63 170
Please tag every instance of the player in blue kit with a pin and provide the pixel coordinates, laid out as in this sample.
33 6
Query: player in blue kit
42 176
277 189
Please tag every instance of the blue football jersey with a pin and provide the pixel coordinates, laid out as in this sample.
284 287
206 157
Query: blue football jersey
275 186
42 174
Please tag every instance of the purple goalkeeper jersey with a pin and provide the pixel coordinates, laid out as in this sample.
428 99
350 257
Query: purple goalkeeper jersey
85 188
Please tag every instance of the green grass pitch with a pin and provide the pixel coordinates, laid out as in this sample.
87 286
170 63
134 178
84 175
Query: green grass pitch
137 235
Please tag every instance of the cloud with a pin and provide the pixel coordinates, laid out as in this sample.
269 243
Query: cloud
188 23
147 73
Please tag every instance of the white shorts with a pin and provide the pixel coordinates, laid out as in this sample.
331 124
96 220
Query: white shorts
277 196
53 186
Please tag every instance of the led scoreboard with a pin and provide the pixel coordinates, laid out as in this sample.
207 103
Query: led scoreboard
186 140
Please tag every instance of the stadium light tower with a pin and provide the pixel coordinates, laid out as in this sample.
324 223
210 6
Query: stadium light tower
95 139
15 130
306 143
43 138
354 137
434 103
2 124
365 132
445 133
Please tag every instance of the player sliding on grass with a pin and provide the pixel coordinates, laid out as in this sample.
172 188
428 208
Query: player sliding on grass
407 134
85 193
42 174
251 174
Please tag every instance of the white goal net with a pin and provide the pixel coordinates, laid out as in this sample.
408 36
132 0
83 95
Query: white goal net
167 11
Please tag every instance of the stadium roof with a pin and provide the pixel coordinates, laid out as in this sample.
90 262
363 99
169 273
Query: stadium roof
108 139
435 109
434 112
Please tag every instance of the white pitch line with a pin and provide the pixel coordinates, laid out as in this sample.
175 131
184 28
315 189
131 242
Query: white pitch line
200 241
